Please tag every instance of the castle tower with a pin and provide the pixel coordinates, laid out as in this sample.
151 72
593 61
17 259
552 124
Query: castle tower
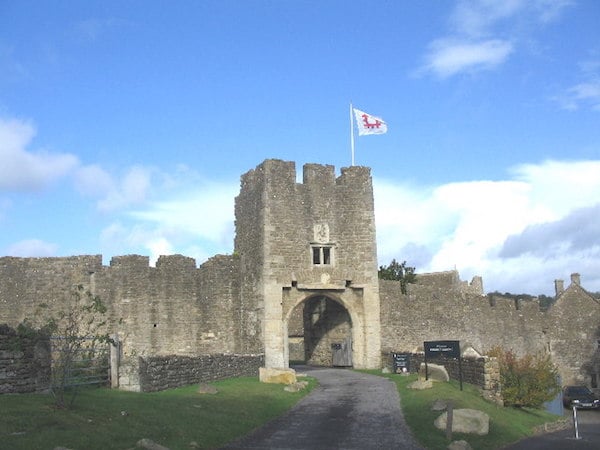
308 264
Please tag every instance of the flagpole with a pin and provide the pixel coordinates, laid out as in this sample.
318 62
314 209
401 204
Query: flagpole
351 133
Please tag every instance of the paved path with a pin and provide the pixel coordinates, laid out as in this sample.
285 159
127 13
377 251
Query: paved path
349 410
589 435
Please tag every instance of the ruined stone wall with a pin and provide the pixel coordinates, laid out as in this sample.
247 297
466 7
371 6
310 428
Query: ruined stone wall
158 373
218 294
446 312
27 282
173 308
440 308
24 361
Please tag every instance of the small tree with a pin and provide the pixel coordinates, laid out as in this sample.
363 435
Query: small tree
398 272
81 326
528 381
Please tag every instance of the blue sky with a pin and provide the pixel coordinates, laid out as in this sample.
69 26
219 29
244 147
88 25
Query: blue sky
125 126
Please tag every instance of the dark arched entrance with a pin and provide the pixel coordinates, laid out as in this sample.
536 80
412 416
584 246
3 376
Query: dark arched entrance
320 333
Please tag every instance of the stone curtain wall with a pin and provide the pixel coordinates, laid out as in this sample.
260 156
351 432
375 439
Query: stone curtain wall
24 362
445 311
441 307
164 372
482 372
27 282
173 308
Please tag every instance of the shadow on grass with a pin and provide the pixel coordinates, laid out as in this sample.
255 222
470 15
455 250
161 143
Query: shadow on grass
108 419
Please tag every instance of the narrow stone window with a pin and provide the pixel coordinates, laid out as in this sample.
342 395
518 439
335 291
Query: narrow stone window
594 380
322 255
326 255
316 255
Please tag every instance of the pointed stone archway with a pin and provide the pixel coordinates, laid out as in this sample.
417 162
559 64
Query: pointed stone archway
345 316
320 333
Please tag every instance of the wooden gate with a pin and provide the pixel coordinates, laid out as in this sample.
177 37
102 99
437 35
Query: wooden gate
89 364
342 353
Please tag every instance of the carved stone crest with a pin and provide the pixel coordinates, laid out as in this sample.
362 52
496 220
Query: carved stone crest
321 232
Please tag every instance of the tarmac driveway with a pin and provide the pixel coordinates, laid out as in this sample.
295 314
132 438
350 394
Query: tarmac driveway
589 435
348 410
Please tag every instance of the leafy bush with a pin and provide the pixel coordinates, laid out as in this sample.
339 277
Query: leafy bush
398 272
78 329
527 381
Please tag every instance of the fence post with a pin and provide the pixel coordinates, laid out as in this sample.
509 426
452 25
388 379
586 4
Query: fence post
449 419
115 351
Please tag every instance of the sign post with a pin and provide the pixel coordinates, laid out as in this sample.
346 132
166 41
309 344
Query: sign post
401 362
448 349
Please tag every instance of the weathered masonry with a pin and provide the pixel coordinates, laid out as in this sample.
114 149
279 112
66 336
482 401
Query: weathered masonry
301 285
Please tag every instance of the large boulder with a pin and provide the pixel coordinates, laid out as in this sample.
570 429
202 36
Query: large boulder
435 372
466 421
276 376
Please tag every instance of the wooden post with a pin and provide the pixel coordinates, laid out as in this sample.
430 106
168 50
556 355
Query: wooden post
460 377
115 351
449 419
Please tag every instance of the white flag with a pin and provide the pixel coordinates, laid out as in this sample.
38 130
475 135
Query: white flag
368 124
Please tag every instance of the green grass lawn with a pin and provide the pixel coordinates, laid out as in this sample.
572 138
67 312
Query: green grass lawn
112 419
507 425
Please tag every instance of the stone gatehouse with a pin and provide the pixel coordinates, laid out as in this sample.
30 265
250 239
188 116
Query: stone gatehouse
301 285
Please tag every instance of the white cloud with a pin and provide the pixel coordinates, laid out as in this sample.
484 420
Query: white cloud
484 33
581 95
32 248
561 186
525 231
158 247
449 57
132 189
550 10
94 181
476 18
206 213
197 223
23 170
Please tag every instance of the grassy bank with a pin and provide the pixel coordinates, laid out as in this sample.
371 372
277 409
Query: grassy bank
507 425
110 419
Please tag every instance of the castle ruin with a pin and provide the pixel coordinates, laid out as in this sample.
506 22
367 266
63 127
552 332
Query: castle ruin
301 285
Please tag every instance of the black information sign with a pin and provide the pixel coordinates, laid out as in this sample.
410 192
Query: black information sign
448 349
401 362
